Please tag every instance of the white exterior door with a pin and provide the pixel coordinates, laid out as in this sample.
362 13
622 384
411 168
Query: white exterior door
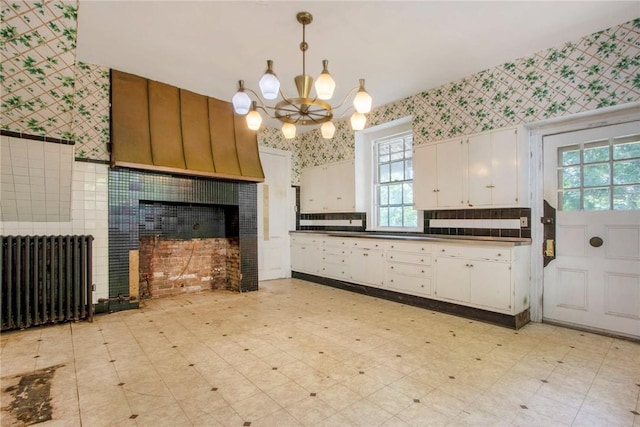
273 215
592 178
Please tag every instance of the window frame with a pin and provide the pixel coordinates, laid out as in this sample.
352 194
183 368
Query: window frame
377 184
365 169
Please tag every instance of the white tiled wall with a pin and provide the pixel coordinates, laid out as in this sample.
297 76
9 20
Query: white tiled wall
89 216
35 180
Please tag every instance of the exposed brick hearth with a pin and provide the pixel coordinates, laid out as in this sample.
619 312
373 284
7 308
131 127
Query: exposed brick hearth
173 266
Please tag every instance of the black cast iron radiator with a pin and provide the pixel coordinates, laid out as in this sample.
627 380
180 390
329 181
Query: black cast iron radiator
45 279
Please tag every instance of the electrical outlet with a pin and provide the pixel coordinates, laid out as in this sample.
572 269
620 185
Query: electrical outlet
524 223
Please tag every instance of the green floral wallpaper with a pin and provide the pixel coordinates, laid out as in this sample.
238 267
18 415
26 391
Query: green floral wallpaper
599 70
45 89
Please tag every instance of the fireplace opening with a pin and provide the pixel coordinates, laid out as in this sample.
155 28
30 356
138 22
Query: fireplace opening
187 247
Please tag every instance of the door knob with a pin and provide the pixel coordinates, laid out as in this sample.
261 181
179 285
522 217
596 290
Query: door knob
596 242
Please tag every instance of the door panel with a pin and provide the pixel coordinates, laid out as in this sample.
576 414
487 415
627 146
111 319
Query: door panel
594 282
273 215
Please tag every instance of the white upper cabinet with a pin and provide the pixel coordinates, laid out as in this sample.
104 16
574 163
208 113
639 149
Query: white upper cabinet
493 169
328 188
450 180
437 175
483 170
341 183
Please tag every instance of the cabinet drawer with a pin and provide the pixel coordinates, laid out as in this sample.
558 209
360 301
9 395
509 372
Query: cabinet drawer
368 244
409 284
478 252
334 259
335 271
335 241
305 239
409 258
416 247
409 269
334 250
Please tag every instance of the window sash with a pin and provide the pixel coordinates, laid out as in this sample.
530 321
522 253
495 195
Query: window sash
393 170
599 175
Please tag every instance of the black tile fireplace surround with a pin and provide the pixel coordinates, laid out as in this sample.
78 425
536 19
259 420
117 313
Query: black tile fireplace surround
129 188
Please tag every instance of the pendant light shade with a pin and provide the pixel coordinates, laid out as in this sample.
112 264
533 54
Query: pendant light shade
311 106
254 120
362 101
289 130
328 129
241 101
358 121
325 85
269 83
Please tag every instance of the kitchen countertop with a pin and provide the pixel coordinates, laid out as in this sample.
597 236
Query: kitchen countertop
512 241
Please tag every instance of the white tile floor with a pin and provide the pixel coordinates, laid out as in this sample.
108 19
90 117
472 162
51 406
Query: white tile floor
301 354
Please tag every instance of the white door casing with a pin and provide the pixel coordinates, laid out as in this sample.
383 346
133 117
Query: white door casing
274 206
592 287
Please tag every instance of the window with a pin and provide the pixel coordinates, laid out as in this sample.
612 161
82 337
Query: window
384 176
600 175
393 182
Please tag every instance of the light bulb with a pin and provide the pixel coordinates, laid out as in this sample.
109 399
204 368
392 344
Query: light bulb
358 121
325 85
241 101
328 129
289 130
254 119
269 83
362 101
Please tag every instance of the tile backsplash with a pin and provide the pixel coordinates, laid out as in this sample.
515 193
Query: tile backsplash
503 222
343 221
499 222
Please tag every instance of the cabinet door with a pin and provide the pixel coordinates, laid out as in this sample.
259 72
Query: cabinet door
452 279
359 257
341 188
298 254
491 284
425 176
480 164
504 167
450 174
304 258
312 189
376 267
367 266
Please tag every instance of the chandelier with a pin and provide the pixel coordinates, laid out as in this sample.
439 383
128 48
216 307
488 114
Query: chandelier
302 110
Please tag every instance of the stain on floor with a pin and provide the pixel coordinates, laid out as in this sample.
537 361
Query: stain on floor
30 396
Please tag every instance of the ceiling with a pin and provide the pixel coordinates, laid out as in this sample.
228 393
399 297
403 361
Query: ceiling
400 47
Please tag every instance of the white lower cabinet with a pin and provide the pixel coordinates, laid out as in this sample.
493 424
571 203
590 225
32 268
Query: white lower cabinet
304 253
490 276
409 268
335 258
453 279
367 262
491 285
